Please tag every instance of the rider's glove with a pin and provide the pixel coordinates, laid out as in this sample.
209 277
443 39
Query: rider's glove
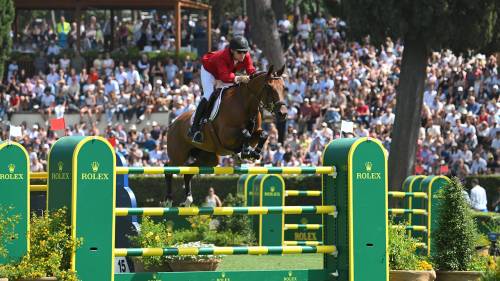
241 79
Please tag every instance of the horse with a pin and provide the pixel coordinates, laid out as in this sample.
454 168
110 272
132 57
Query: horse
236 127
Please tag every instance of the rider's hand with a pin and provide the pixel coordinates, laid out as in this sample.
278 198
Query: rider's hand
241 79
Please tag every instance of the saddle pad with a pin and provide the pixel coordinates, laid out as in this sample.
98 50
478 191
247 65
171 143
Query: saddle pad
215 107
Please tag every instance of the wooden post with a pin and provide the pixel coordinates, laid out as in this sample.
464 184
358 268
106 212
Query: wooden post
209 29
112 27
178 37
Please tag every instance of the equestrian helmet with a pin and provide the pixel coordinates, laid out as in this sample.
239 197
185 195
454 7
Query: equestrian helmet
239 43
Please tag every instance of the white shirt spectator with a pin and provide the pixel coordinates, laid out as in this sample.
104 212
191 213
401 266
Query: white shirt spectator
387 118
53 78
133 76
112 85
284 25
478 166
53 50
239 27
495 143
478 198
47 100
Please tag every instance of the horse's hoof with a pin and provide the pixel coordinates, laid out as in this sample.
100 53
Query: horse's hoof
188 202
255 155
167 204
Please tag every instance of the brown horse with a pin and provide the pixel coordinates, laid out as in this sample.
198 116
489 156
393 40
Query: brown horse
237 127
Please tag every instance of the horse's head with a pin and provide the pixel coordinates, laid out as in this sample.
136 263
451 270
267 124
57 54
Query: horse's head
273 98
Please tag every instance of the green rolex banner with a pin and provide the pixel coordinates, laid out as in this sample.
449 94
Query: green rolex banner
15 198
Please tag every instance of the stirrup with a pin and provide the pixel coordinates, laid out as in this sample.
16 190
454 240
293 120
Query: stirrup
197 137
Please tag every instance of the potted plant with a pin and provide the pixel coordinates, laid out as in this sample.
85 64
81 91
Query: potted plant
454 237
50 251
152 235
160 235
204 231
194 262
404 263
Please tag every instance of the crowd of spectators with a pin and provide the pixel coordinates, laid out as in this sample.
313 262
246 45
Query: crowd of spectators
328 80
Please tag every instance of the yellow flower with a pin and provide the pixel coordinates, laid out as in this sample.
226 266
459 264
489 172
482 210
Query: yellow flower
424 265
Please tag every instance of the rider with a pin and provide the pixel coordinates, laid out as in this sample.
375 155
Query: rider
221 65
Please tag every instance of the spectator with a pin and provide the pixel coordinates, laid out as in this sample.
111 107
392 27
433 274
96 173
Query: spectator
63 28
478 197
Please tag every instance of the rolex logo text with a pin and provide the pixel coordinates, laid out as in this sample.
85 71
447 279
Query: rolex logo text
11 175
290 277
60 175
368 175
223 277
94 175
272 192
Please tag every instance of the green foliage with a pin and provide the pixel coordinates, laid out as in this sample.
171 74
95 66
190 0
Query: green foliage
493 272
152 235
440 23
455 233
50 250
403 250
7 231
6 18
240 224
203 232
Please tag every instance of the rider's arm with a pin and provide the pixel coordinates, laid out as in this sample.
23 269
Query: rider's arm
224 73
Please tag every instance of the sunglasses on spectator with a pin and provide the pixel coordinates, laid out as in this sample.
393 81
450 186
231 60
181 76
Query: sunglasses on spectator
241 52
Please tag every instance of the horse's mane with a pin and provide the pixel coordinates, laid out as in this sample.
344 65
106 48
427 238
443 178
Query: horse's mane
257 73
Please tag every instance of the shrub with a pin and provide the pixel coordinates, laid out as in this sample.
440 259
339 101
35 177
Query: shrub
402 250
50 250
240 224
7 229
455 233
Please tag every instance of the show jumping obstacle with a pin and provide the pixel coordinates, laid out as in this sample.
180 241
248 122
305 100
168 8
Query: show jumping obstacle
421 208
82 177
420 211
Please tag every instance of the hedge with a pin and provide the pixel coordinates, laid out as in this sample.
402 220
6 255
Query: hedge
149 190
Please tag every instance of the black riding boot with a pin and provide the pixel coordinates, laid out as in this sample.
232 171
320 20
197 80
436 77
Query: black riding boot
194 132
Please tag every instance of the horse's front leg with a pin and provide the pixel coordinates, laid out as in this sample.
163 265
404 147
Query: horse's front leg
189 194
246 149
262 137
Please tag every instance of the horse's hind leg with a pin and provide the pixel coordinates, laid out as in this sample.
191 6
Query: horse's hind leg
189 194
168 197
203 158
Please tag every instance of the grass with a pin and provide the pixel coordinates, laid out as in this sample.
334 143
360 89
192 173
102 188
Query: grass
285 262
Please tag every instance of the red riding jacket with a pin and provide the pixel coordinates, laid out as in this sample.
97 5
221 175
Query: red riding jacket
221 65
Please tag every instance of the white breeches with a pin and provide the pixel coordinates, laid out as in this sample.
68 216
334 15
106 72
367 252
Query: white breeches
208 83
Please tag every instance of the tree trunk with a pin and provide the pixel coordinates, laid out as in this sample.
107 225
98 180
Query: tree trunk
7 11
279 8
265 30
408 111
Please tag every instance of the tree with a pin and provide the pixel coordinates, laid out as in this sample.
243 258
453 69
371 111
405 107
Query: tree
424 25
6 18
264 30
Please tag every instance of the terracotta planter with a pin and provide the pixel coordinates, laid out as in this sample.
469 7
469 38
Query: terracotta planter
412 275
209 265
139 267
459 275
39 279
